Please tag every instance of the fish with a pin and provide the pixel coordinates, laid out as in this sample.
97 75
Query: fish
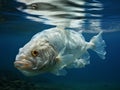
57 49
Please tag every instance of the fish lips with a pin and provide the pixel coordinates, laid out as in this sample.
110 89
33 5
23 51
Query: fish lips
23 64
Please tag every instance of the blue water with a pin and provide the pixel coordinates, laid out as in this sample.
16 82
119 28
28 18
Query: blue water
16 30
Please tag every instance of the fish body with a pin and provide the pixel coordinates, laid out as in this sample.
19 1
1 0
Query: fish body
53 50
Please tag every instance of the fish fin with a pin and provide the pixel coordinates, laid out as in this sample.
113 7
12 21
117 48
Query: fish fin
59 27
63 29
62 62
84 60
98 45
65 25
81 62
29 73
61 72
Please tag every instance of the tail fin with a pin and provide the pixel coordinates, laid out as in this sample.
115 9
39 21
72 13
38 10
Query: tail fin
98 45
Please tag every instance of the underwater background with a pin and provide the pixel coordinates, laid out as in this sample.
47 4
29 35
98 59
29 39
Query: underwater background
16 30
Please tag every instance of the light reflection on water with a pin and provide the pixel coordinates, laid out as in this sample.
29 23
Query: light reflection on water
85 15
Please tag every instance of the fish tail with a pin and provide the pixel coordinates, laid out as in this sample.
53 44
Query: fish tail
98 45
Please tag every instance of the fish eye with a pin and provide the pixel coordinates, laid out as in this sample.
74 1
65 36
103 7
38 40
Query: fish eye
34 53
34 6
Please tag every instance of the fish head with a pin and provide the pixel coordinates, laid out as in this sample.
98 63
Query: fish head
35 57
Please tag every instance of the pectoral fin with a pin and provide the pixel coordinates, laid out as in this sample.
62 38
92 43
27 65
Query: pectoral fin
63 61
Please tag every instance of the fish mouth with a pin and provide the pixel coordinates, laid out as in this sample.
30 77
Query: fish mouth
23 64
